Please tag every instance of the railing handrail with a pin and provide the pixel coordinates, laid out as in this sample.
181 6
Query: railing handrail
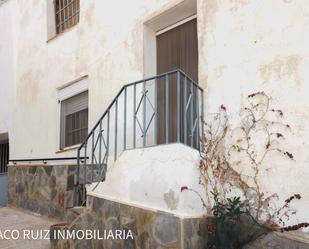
190 97
46 159
131 84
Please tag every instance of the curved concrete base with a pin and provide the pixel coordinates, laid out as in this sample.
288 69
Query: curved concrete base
153 177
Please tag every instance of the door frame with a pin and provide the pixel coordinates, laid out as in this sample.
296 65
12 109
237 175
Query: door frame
180 37
161 21
175 25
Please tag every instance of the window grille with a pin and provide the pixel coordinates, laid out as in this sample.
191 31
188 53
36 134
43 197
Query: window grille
4 156
67 14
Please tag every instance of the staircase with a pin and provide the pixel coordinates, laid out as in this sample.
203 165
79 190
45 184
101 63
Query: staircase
166 108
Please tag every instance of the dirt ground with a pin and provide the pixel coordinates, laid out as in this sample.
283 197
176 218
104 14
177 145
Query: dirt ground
19 229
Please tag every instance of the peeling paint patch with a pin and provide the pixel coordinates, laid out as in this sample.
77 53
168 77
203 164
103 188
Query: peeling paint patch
237 4
211 8
89 13
281 67
171 200
220 70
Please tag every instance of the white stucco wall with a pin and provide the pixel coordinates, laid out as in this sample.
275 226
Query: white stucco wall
249 46
106 45
153 177
8 28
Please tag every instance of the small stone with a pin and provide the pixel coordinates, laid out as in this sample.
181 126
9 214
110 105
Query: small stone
19 188
61 199
112 224
146 242
166 229
48 170
52 181
53 194
69 199
110 209
32 170
129 244
70 184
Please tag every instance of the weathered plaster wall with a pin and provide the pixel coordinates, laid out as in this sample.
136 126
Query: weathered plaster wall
106 45
247 46
8 27
244 46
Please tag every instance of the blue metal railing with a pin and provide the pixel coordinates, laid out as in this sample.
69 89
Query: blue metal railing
167 108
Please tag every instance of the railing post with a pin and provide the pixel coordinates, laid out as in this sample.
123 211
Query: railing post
144 114
156 113
185 111
166 108
202 93
197 127
125 120
116 129
191 114
178 107
134 116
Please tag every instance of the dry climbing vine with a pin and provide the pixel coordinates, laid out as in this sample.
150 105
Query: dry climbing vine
236 194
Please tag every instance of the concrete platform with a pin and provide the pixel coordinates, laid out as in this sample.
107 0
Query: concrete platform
16 219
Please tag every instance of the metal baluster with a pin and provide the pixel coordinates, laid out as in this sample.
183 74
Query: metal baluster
107 137
92 155
85 173
185 111
178 107
166 108
85 163
60 16
125 121
116 130
156 113
77 177
191 115
134 117
144 114
78 167
100 145
197 127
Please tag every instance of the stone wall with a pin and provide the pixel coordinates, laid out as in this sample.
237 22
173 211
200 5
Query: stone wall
275 240
150 229
43 189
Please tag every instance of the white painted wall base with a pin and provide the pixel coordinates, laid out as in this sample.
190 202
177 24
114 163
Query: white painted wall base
152 178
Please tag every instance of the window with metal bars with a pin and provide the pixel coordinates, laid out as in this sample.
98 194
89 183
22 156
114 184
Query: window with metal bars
66 13
4 156
74 120
76 127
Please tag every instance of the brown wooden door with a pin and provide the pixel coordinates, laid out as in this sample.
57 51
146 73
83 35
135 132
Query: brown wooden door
176 48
